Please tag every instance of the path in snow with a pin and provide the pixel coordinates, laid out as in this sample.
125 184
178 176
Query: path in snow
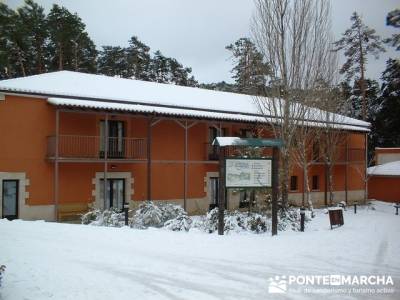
64 261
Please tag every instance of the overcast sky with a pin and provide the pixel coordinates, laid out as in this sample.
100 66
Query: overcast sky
196 32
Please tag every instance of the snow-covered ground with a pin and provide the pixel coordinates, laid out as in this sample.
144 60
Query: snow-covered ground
65 261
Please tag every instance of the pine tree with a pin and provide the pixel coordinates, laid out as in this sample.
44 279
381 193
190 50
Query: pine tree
353 96
138 59
7 66
35 33
393 19
159 68
168 70
70 46
179 74
386 124
14 45
358 42
219 86
112 61
250 71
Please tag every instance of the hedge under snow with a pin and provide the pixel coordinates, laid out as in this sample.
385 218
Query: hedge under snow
173 217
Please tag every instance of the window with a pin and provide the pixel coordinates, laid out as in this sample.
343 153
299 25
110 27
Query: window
213 150
246 133
116 133
315 182
293 183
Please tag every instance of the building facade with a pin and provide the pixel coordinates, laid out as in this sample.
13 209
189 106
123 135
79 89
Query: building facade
67 137
384 177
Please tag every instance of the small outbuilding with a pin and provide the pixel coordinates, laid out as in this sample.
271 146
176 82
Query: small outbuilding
384 178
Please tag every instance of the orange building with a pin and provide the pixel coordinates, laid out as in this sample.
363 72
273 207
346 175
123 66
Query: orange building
63 133
384 178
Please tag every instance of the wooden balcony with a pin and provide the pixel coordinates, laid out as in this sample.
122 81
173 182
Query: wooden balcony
77 147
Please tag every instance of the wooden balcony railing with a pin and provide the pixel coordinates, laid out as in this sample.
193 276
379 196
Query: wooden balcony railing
92 147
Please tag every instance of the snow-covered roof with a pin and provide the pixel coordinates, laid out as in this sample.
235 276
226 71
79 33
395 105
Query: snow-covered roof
388 169
224 141
103 92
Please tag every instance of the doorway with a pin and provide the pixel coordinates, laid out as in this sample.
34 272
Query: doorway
115 193
116 134
10 199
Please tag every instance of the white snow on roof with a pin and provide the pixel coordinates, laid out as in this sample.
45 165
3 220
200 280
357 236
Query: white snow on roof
111 89
227 140
177 112
388 169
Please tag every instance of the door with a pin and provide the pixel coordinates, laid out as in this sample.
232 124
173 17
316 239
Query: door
116 139
214 193
116 133
115 193
10 199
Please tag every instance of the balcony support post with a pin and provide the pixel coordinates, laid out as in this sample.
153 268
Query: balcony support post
105 145
56 166
186 127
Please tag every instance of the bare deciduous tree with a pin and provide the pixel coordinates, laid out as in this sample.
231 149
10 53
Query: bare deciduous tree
304 156
332 137
295 39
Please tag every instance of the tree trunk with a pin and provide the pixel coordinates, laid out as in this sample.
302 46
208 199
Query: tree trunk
21 62
60 57
362 81
330 183
39 66
308 193
285 179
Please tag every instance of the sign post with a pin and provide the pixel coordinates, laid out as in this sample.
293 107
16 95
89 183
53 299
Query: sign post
221 191
248 172
275 190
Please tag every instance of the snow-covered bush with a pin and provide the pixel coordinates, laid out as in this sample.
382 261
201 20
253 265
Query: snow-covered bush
2 270
236 222
171 211
210 223
290 219
90 216
110 217
147 215
257 223
150 214
180 223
